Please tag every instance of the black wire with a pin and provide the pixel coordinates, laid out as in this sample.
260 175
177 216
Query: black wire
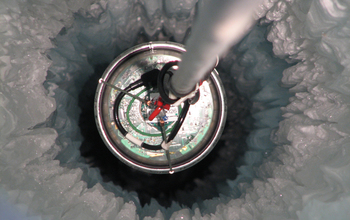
161 88
117 101
151 147
179 122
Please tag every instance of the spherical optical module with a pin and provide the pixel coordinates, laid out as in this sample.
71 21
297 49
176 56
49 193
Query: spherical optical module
143 130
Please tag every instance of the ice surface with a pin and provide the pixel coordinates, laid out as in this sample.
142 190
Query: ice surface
299 169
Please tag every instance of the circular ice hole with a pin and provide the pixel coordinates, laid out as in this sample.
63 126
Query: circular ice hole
82 54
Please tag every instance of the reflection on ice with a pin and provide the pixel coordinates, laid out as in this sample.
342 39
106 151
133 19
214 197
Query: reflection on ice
42 173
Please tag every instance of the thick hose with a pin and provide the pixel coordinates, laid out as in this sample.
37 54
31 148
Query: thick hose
220 25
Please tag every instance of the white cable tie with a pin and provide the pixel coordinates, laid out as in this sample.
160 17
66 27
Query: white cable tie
165 145
190 95
133 139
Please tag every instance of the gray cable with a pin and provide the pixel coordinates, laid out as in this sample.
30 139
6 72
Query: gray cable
221 24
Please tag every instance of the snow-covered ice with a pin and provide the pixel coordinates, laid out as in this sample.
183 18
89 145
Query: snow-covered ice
297 164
